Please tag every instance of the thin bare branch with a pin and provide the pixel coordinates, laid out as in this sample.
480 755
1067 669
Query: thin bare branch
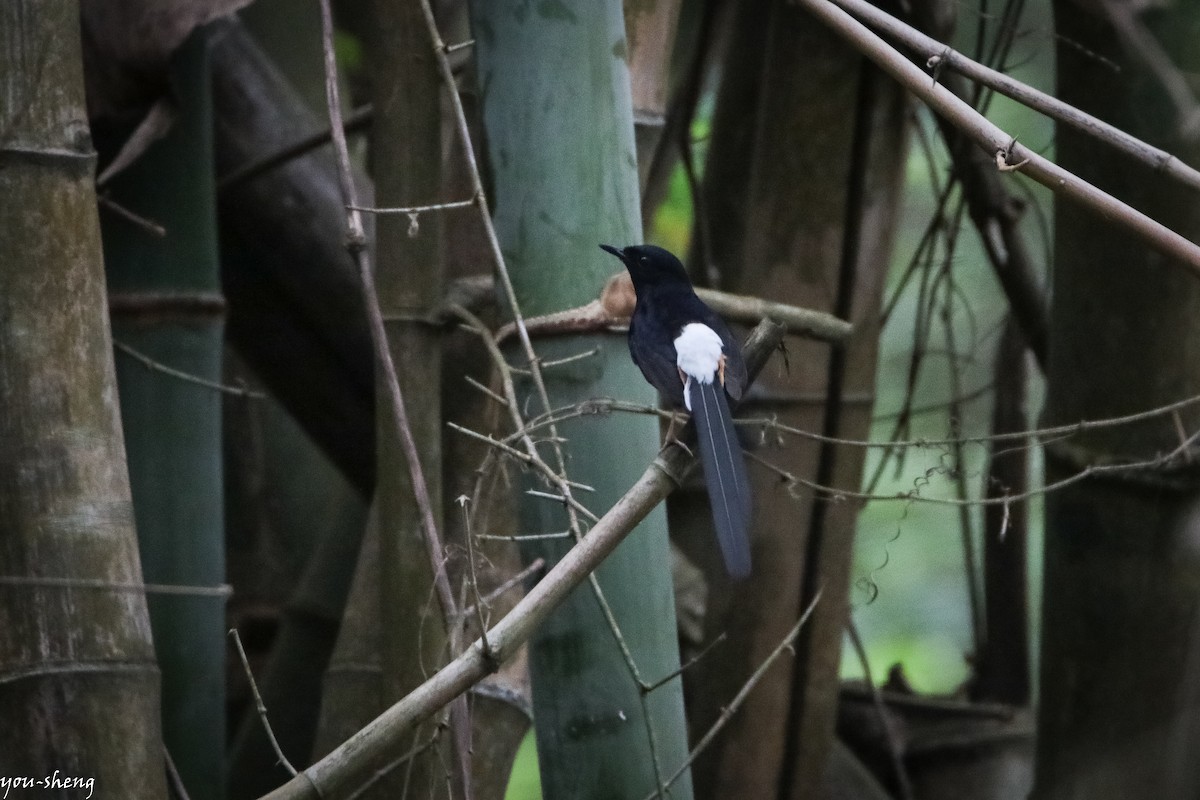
463 501
416 209
477 385
528 537
727 713
673 674
356 244
1052 432
173 778
995 141
610 312
155 125
1142 45
913 496
403 760
157 366
533 567
895 746
259 705
145 223
941 56
357 120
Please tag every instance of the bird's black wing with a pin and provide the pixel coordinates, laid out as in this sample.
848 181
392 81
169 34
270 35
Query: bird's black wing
653 349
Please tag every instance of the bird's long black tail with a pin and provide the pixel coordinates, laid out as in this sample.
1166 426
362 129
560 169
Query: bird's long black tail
724 474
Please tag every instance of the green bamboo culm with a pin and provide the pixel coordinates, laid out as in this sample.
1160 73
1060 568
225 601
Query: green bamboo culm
557 110
78 684
165 295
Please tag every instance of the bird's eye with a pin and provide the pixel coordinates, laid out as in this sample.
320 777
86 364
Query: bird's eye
645 261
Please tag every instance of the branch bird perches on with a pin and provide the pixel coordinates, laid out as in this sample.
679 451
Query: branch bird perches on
353 761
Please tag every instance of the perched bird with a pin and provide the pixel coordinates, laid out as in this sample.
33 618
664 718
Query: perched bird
688 354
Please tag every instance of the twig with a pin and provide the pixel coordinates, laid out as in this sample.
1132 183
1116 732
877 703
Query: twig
410 210
146 224
631 664
806 322
528 537
39 581
490 597
940 56
440 51
1142 45
356 244
605 405
739 698
965 521
560 474
531 456
558 362
557 498
476 384
913 496
533 461
611 312
597 407
891 736
1054 431
994 140
650 687
358 119
258 704
558 478
940 405
173 775
994 214
155 125
463 501
156 366
502 274
407 758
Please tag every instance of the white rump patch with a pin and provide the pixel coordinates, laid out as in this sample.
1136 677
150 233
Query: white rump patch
698 351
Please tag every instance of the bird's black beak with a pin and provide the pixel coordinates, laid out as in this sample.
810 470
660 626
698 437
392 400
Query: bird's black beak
608 248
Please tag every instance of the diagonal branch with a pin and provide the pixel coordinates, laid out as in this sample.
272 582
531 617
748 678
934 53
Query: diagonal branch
354 759
941 56
1010 156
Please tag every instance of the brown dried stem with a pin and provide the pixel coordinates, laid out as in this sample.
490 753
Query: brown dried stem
941 56
356 244
998 143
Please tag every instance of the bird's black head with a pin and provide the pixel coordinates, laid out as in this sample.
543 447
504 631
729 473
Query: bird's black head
649 265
